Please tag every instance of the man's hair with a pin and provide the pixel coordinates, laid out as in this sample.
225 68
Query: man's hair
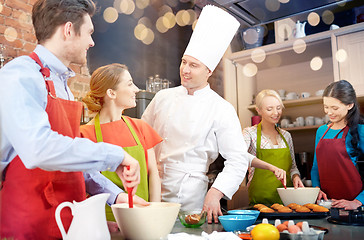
47 15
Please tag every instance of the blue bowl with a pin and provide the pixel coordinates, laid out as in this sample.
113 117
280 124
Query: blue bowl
233 223
245 212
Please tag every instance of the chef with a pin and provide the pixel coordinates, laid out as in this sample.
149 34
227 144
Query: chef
197 124
42 158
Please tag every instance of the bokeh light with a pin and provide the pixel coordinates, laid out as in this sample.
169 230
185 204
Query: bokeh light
272 5
180 18
284 31
274 60
140 31
313 19
127 7
164 9
299 46
10 34
149 38
141 4
146 22
169 20
194 24
328 17
250 36
283 1
110 15
250 70
25 19
316 63
341 55
192 16
160 25
258 55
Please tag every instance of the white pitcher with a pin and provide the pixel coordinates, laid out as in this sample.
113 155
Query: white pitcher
89 219
299 30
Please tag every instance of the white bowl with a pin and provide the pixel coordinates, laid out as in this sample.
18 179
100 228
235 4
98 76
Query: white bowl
300 196
146 222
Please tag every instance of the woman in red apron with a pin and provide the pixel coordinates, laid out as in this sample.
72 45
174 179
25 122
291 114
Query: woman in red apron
273 145
111 92
339 144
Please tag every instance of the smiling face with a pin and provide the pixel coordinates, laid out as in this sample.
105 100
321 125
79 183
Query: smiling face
270 110
336 110
80 43
125 91
194 74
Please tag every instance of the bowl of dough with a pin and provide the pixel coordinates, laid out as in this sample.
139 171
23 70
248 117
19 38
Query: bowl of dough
300 196
192 218
154 221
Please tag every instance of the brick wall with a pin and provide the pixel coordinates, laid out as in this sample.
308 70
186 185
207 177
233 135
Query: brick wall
17 38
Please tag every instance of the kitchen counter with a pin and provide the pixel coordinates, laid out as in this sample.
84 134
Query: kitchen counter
336 232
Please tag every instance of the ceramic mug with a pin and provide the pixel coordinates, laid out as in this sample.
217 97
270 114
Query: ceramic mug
319 93
300 121
305 94
281 92
309 121
318 121
284 123
291 96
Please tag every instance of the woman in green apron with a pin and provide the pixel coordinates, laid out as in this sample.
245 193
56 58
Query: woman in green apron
273 145
111 92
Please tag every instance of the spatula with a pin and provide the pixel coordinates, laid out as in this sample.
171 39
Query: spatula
130 196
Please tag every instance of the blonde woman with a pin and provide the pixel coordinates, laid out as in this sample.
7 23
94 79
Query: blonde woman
111 92
273 145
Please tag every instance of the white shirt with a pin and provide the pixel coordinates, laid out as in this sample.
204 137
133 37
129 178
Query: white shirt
195 129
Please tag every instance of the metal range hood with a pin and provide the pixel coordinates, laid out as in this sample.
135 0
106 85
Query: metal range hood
259 12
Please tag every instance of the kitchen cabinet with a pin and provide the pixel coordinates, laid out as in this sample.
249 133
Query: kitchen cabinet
284 68
352 68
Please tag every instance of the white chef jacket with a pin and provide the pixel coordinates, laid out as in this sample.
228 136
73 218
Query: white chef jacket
195 129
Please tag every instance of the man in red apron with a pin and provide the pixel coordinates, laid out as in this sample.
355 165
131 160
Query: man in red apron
42 157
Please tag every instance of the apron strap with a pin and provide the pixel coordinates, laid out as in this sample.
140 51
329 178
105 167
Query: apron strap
98 129
259 136
345 130
132 131
46 73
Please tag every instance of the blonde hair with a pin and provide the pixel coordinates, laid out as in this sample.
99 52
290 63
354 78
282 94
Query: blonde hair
102 79
264 93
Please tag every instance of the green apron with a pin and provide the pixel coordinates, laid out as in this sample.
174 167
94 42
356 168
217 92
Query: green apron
136 152
263 187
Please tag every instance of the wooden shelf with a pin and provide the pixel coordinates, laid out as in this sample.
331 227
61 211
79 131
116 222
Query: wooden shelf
303 102
302 128
296 102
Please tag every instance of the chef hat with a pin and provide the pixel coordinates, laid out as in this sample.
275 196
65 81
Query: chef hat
212 35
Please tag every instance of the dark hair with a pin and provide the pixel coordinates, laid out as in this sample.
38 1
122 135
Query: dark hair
47 15
345 93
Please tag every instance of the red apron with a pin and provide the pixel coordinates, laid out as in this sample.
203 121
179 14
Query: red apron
339 178
30 196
